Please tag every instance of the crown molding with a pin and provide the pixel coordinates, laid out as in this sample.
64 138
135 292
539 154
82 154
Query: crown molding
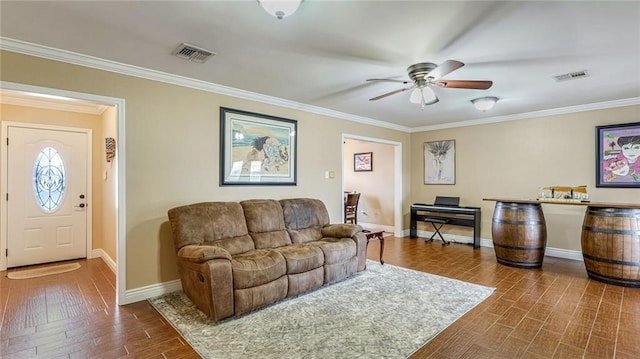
51 53
534 114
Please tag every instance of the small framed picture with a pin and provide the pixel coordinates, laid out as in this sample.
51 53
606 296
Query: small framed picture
618 155
363 162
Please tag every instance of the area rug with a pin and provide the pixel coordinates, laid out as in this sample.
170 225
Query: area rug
383 312
40 272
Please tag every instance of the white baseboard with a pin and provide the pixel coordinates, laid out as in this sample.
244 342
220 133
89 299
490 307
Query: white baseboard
99 253
150 291
549 251
376 226
563 253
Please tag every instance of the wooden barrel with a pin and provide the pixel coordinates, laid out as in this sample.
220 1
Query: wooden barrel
611 245
519 234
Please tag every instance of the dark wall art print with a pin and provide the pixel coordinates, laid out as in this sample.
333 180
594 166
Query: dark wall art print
363 162
618 155
257 149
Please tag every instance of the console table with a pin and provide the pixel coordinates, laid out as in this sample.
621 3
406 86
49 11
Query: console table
610 238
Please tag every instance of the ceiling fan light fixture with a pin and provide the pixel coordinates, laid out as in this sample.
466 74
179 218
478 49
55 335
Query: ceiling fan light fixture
280 8
484 103
416 96
422 95
428 96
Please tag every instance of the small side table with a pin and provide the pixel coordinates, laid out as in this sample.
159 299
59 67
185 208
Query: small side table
379 234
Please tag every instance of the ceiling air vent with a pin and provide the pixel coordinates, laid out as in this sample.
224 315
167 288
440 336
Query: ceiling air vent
572 75
192 53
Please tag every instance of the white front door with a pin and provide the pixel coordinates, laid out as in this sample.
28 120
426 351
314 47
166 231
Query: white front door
46 195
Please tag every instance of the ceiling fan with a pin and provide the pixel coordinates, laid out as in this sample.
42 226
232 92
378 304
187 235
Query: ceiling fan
426 75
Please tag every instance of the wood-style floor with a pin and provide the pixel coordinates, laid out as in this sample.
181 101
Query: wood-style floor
553 312
73 315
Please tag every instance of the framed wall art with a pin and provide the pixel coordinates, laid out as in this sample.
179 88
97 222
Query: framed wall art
440 162
363 162
618 155
257 149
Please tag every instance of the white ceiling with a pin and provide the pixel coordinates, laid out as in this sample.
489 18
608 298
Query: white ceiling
322 55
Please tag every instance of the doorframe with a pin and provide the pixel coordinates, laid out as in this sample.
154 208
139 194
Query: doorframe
397 177
119 104
4 180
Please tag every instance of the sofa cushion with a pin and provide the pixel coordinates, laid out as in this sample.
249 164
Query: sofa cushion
257 267
265 223
301 258
305 235
211 223
336 250
304 218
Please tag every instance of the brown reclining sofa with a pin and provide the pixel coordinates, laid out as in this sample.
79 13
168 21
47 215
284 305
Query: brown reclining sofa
235 257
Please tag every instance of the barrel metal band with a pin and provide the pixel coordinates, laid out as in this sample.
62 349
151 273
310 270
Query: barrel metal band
518 222
611 231
614 280
611 261
517 247
620 214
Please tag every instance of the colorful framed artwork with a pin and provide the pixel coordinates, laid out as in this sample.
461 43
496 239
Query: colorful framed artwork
363 162
618 155
257 149
440 162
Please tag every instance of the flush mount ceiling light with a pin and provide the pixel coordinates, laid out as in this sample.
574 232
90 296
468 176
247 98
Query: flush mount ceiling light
280 8
484 103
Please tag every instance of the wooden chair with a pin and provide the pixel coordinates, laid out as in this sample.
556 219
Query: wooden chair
351 208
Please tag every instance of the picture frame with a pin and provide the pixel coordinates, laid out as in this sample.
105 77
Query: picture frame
363 162
257 149
618 155
440 162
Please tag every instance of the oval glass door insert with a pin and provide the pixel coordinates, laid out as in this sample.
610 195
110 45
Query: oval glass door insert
49 180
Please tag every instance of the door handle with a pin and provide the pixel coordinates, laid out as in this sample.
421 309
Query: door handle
81 205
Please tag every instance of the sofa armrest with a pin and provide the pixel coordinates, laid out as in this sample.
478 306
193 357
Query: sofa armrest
201 254
343 230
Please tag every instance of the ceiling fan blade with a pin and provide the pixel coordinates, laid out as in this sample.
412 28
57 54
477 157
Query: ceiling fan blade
445 68
390 80
464 84
391 93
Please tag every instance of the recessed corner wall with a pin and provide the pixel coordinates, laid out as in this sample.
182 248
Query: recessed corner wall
514 159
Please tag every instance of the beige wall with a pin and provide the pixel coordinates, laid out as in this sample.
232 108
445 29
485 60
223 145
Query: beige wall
24 114
172 154
172 158
375 187
514 159
109 181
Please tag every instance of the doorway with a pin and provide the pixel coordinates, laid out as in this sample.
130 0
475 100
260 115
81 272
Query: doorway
47 188
380 205
109 176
